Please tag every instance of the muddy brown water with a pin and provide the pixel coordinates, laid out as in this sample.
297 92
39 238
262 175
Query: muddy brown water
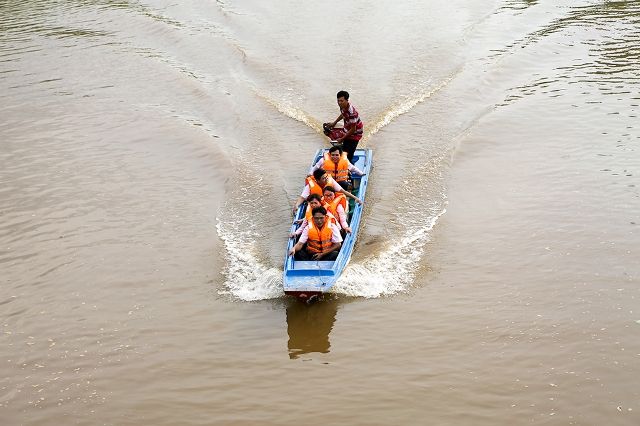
150 153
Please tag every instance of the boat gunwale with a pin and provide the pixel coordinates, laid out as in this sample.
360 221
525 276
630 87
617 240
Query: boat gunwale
323 278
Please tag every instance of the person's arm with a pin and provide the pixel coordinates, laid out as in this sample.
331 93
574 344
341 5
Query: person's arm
296 248
303 239
301 199
336 186
298 203
336 121
300 228
354 169
351 131
342 217
316 166
350 195
333 247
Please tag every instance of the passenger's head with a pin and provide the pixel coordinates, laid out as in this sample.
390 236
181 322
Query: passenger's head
319 174
319 216
314 201
335 152
343 99
329 193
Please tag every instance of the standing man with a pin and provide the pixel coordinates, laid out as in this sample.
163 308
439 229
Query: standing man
353 127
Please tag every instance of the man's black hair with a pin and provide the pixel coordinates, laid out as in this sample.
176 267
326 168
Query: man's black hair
314 197
317 174
319 210
335 148
343 94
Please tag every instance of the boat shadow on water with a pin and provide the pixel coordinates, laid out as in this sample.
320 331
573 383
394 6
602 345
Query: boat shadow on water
309 326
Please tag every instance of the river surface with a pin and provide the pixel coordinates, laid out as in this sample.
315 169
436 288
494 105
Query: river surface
150 152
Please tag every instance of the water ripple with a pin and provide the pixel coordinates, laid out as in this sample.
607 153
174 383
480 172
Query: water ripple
613 61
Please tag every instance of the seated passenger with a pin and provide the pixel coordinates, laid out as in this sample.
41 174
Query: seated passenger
337 206
336 164
320 240
315 185
313 201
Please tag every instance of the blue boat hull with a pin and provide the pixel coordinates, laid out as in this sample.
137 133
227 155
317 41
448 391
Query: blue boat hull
305 279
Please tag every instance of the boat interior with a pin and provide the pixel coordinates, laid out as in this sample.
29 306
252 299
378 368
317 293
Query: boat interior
325 267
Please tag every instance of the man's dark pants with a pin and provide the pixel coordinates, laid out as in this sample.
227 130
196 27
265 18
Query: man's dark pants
305 255
349 146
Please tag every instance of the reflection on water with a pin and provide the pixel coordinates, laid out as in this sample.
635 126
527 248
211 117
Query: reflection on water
517 4
618 23
309 326
616 54
34 16
612 55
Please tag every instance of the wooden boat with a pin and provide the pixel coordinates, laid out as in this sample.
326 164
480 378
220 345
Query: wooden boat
310 279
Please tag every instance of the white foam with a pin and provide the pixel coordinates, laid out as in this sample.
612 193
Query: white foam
387 272
245 276
286 107
403 107
390 271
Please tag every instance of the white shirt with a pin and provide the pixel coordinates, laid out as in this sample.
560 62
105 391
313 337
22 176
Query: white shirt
320 163
335 237
342 216
305 222
335 185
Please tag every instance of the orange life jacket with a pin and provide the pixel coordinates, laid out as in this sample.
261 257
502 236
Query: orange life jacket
319 239
308 214
314 186
340 171
333 206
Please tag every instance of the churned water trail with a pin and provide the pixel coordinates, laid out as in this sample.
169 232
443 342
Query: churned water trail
418 96
246 276
288 109
249 276
391 270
